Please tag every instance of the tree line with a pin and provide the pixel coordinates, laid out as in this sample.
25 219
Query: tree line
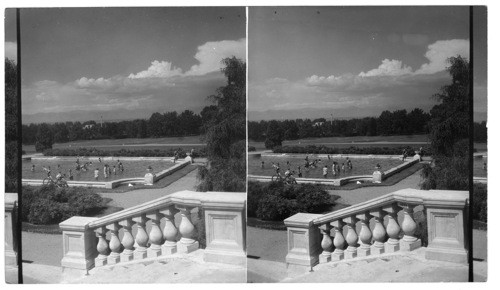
169 124
398 122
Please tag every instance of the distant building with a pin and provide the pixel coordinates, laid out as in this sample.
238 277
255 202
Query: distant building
318 124
88 126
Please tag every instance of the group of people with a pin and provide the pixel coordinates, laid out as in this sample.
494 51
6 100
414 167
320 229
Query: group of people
107 170
336 167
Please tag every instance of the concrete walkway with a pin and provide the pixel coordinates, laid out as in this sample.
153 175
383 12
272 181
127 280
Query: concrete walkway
135 197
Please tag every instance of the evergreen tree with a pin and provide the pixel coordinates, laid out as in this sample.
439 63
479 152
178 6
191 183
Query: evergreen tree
449 132
225 133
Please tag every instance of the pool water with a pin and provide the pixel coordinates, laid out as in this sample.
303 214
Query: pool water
360 166
478 170
135 168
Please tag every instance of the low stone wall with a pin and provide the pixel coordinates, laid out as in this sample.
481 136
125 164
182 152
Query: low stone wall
171 170
300 180
399 168
354 156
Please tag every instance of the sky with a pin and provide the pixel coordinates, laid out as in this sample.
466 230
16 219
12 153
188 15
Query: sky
122 62
310 62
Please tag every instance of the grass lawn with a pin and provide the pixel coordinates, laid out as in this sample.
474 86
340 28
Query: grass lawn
358 141
187 142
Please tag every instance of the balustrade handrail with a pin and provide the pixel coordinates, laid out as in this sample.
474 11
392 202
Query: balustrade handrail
447 198
214 200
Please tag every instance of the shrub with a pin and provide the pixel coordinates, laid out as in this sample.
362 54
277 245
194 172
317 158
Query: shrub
313 149
122 152
480 203
49 204
251 148
278 201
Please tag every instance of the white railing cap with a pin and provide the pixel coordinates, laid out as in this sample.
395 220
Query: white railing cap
215 200
441 198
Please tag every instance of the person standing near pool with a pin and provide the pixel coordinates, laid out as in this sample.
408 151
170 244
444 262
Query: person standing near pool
33 168
70 175
105 171
325 171
343 168
96 173
262 164
114 169
299 171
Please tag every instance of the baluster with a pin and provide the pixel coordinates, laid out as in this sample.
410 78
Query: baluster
351 237
338 241
127 241
409 226
379 234
169 231
393 229
155 235
326 244
114 244
141 238
365 235
186 244
102 247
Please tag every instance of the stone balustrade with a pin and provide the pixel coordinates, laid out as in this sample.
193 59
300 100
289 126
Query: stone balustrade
10 229
382 225
110 240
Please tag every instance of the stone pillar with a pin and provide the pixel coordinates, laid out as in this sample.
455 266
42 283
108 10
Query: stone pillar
225 229
409 226
365 235
141 238
170 231
379 233
326 244
447 228
149 178
127 241
79 244
186 228
304 240
102 247
338 240
393 229
10 229
114 244
377 176
155 235
351 237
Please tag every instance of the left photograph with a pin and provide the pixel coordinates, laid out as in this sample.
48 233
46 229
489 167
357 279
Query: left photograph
133 144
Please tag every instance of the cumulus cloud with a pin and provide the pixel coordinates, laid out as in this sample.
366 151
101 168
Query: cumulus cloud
11 50
210 54
209 57
158 69
388 68
438 52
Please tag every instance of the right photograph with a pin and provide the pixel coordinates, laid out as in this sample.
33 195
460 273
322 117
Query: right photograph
363 123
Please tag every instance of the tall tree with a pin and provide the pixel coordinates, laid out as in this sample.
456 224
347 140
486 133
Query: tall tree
226 133
449 132
274 135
